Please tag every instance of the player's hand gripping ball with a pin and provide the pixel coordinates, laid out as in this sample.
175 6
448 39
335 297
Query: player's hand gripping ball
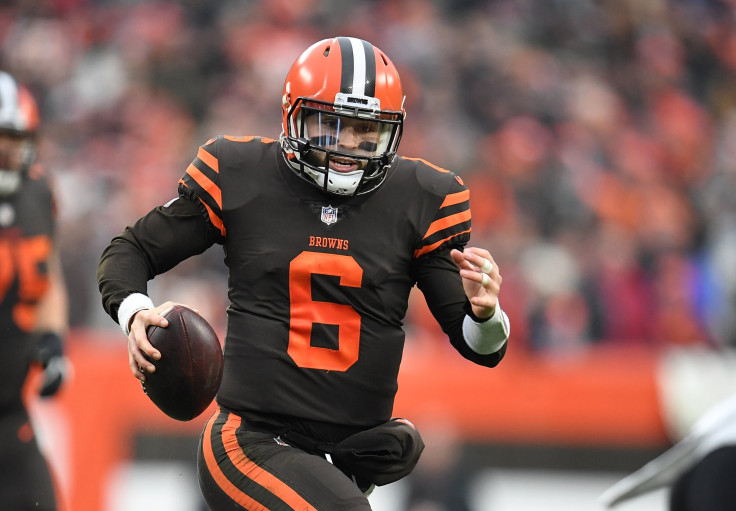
189 372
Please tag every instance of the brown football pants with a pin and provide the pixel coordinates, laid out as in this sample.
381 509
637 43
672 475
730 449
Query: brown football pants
243 469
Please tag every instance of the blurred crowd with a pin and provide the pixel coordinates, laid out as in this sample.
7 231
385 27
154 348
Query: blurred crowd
598 138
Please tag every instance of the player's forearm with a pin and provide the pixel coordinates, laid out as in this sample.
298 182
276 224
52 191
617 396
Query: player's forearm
122 271
473 339
53 309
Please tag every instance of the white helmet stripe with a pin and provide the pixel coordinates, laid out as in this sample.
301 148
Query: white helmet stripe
358 67
9 102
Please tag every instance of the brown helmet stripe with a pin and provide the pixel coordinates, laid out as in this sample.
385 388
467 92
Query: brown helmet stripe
370 69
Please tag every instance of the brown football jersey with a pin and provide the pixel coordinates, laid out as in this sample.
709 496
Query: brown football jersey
318 284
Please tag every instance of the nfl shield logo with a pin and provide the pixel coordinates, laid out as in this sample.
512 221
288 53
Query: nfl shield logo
329 215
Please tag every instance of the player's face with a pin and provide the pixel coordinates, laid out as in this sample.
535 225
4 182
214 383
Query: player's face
12 150
359 137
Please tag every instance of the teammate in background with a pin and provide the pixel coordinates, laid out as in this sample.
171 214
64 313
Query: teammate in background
325 232
33 300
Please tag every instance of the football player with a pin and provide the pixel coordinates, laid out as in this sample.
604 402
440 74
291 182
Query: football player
33 300
325 232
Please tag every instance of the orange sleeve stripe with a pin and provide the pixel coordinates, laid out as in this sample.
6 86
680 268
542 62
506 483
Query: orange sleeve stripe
208 159
448 221
206 183
222 481
252 471
435 167
216 221
431 247
456 198
248 138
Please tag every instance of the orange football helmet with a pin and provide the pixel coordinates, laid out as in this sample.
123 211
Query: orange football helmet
19 122
343 115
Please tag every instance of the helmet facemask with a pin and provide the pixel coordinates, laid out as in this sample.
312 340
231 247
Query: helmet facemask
345 149
17 152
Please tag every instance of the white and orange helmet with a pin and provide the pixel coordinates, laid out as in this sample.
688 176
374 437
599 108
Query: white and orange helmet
344 78
19 120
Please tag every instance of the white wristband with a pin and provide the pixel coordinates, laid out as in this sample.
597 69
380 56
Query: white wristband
487 337
132 304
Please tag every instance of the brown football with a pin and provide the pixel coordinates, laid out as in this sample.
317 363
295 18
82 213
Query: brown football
189 372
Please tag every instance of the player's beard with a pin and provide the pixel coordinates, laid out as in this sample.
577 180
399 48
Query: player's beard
319 159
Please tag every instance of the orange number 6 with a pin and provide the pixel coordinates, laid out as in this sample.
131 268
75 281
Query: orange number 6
305 312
